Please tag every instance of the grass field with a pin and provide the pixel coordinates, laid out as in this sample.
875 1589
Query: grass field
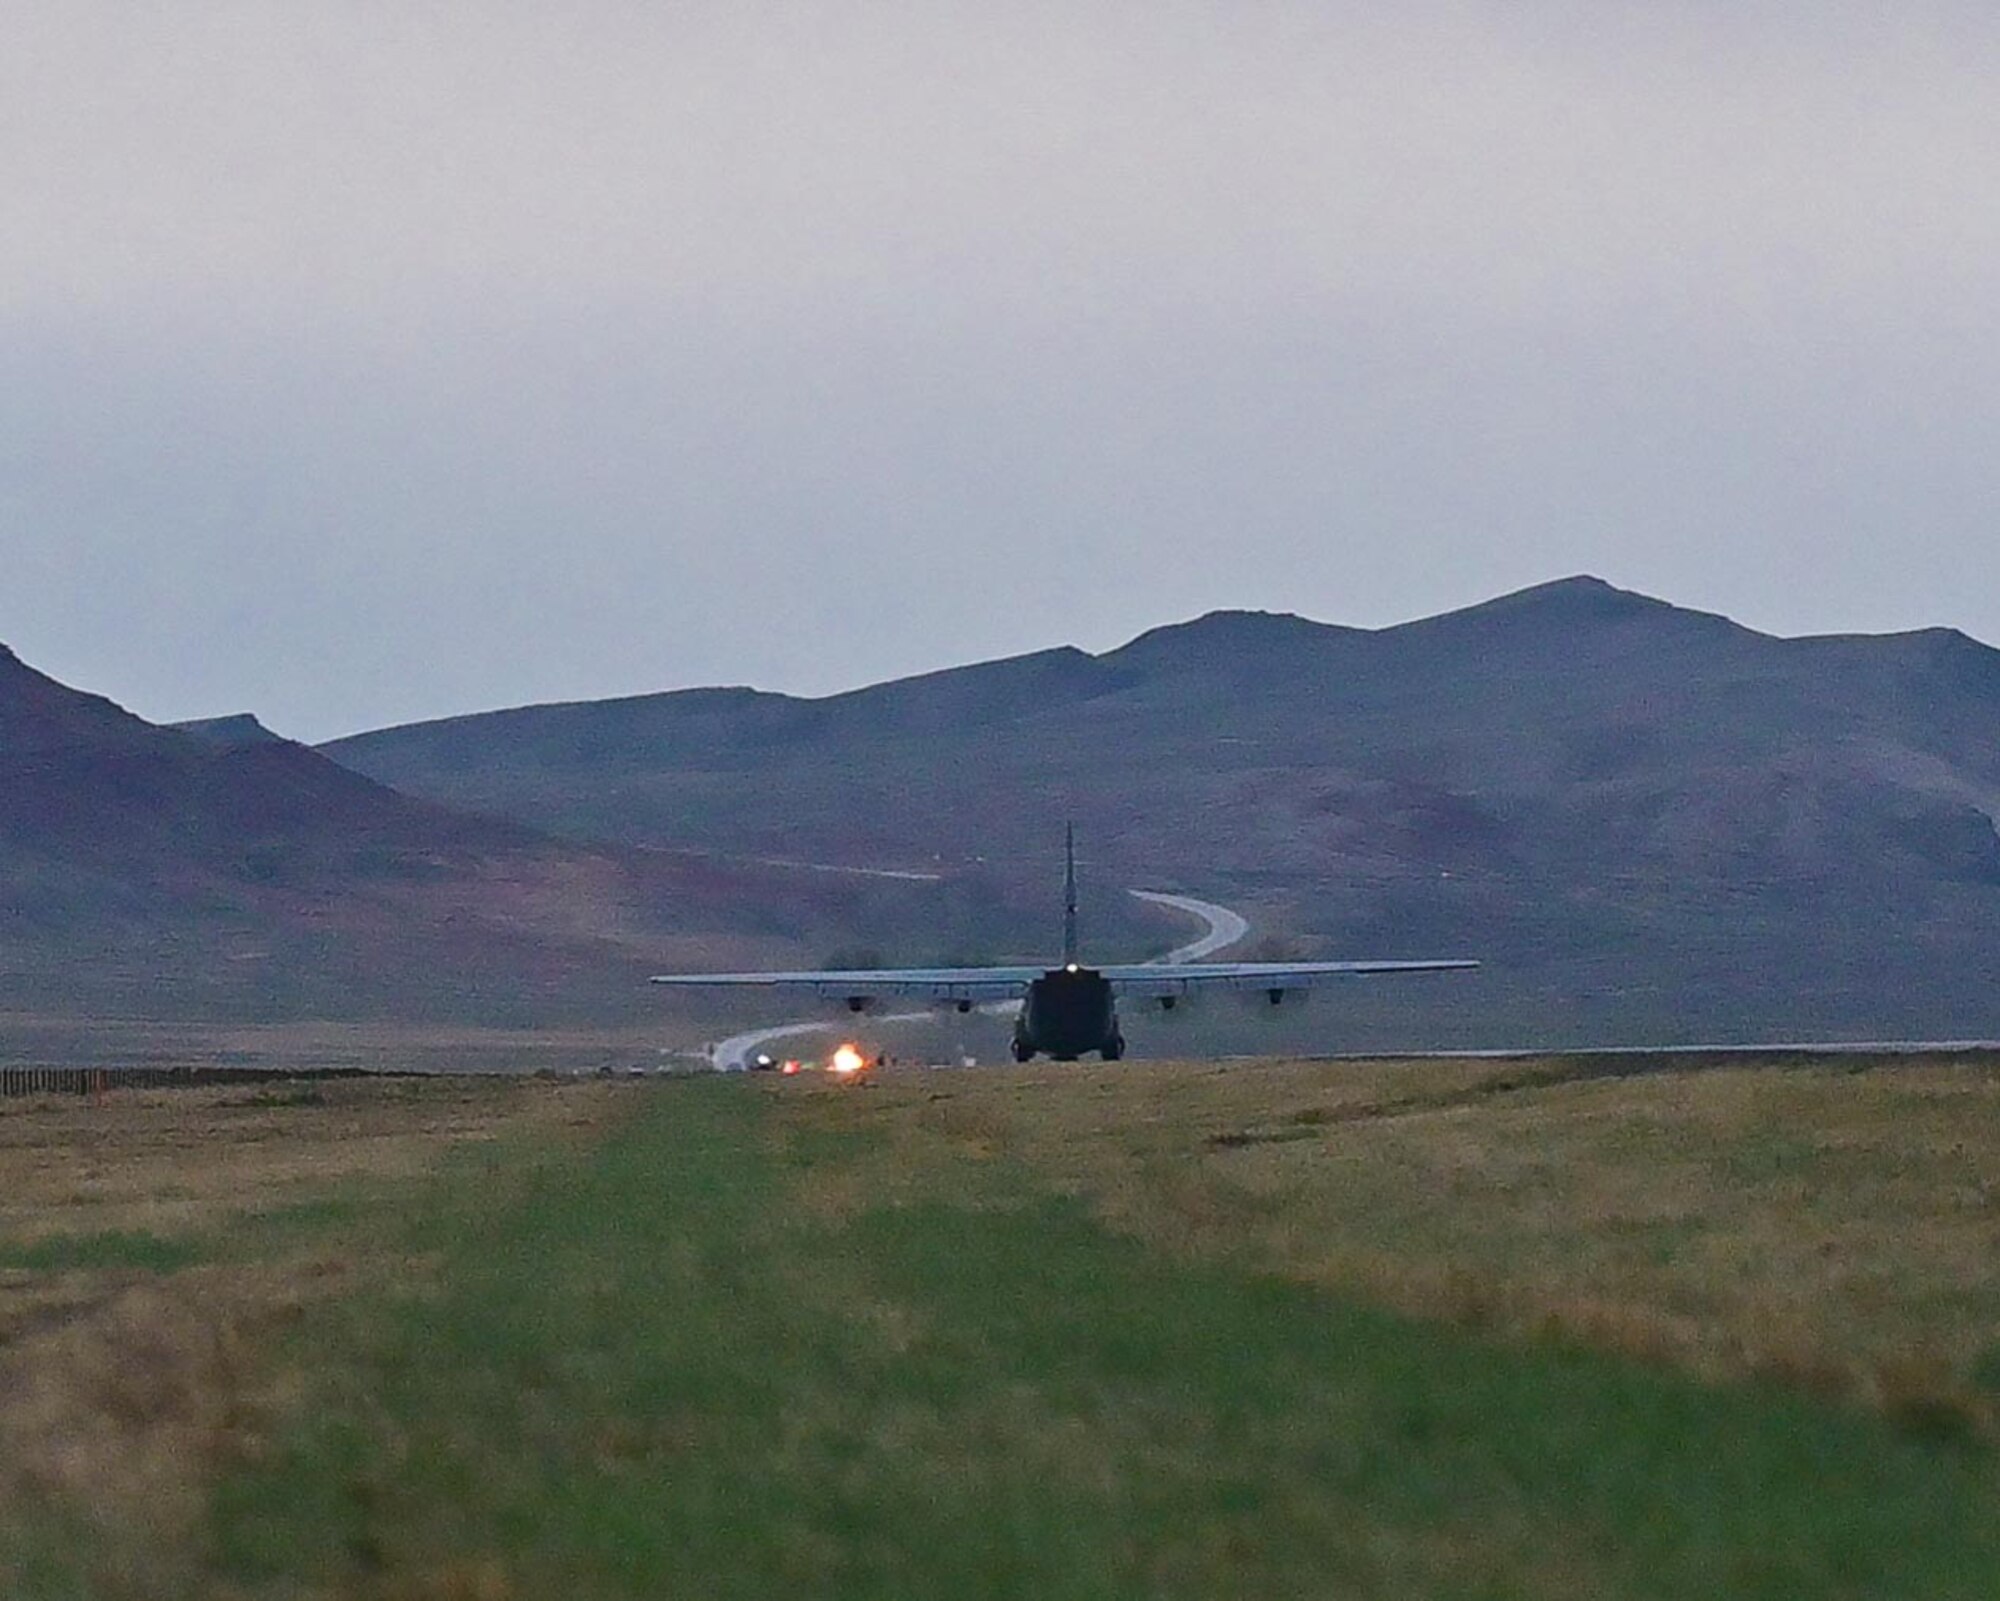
1272 1329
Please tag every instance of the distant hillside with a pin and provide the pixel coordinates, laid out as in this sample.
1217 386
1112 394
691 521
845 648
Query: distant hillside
223 871
1654 822
242 728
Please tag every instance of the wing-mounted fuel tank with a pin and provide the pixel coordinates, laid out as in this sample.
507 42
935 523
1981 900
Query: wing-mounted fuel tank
1277 995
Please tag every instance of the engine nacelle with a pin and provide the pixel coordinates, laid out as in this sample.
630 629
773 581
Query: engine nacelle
1266 996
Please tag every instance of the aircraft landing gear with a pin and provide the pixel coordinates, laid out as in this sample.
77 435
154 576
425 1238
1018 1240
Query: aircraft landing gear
1023 1051
1113 1048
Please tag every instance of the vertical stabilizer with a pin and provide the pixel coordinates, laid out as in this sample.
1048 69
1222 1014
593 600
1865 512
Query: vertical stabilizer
1069 894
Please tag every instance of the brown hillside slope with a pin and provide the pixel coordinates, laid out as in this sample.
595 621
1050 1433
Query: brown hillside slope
1653 823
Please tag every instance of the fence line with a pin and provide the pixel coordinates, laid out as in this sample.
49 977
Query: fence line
29 1080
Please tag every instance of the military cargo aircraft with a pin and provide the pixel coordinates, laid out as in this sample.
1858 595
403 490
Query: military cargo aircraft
1066 1010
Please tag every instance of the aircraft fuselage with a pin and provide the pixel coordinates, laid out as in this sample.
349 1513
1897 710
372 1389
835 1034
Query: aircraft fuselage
1068 1010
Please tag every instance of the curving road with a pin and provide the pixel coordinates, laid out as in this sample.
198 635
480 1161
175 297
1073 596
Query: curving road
1223 929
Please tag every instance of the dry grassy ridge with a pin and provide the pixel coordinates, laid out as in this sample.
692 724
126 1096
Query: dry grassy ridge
1835 1225
1057 1330
155 1247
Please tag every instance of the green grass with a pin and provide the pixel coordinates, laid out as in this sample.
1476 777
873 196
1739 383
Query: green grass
138 1250
39 1557
115 1248
672 1366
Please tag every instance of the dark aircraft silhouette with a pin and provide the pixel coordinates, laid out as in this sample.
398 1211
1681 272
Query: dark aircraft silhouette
1068 1010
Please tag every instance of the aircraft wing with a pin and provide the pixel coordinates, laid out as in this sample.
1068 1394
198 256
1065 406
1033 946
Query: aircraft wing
916 983
1154 980
1149 980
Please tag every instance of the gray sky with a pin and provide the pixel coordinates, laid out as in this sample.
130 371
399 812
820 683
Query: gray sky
367 362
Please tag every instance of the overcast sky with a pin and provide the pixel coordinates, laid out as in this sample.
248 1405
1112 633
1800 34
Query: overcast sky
368 362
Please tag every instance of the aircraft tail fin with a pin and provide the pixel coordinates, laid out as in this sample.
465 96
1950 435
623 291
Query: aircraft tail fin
1069 895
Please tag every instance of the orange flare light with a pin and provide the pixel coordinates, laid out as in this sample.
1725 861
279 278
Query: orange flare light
847 1060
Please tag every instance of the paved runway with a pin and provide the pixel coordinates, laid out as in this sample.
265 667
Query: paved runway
1223 929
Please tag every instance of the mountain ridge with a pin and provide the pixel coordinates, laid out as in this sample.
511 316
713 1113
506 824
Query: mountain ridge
236 729
1539 778
1577 599
1651 823
147 870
